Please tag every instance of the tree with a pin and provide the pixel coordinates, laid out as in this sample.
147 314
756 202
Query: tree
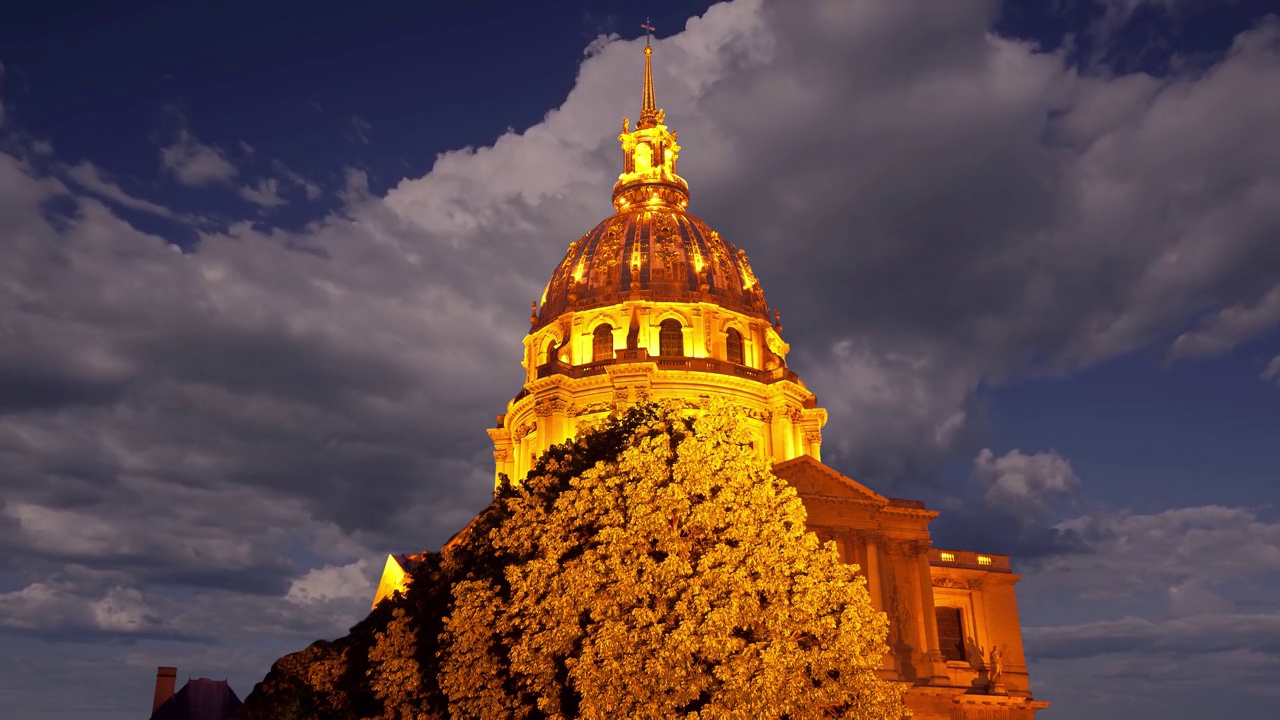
653 567
656 568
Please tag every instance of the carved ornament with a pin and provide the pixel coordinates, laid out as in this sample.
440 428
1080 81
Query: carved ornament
522 431
907 548
867 537
589 409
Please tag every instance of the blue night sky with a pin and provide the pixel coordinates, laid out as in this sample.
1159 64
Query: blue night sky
267 267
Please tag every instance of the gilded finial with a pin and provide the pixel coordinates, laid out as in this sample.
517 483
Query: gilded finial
777 320
533 313
626 125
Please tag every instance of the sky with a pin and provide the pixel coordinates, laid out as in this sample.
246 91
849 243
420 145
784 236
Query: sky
267 267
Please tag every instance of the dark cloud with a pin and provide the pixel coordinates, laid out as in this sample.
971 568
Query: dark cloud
224 434
1194 573
1203 640
1156 610
978 211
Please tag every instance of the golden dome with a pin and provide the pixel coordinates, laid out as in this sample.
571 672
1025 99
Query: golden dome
651 249
657 252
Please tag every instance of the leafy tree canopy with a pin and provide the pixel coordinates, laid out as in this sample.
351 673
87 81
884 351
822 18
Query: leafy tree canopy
652 568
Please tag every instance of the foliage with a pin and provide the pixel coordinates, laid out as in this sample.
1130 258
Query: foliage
654 567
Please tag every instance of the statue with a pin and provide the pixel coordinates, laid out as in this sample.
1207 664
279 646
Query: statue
661 117
626 125
995 669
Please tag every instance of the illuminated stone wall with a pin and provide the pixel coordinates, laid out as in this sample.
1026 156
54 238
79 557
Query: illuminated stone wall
653 263
910 581
565 386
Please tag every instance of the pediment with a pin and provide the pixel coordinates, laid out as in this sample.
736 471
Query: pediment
811 478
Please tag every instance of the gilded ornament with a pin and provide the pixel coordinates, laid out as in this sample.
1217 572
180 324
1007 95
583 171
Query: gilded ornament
590 409
522 431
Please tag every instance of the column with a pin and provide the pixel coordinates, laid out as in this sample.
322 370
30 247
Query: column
928 617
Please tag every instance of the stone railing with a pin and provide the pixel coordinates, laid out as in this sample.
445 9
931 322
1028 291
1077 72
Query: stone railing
665 362
969 559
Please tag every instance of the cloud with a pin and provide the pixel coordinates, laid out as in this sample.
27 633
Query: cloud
334 582
312 190
88 176
1130 553
601 41
934 208
1194 590
1024 483
358 129
196 164
374 342
1229 327
121 613
1185 636
1271 373
355 188
264 193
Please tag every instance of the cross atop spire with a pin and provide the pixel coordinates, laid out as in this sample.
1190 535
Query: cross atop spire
648 27
650 115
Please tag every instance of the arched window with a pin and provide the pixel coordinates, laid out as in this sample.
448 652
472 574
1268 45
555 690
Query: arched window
733 346
602 343
670 338
644 158
550 354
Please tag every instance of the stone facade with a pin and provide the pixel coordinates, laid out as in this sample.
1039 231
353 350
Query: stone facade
652 304
948 609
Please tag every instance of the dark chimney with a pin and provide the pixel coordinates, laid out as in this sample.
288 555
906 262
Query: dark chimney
166 680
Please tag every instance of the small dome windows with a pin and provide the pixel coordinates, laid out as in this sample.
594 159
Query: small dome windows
602 343
733 346
670 338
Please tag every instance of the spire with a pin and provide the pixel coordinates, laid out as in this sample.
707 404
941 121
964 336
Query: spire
649 153
649 113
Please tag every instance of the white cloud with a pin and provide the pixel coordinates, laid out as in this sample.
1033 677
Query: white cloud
1271 373
334 582
194 163
355 186
265 193
311 189
62 612
88 176
1024 483
1229 327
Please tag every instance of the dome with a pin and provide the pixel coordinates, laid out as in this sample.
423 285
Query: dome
658 253
651 249
652 305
